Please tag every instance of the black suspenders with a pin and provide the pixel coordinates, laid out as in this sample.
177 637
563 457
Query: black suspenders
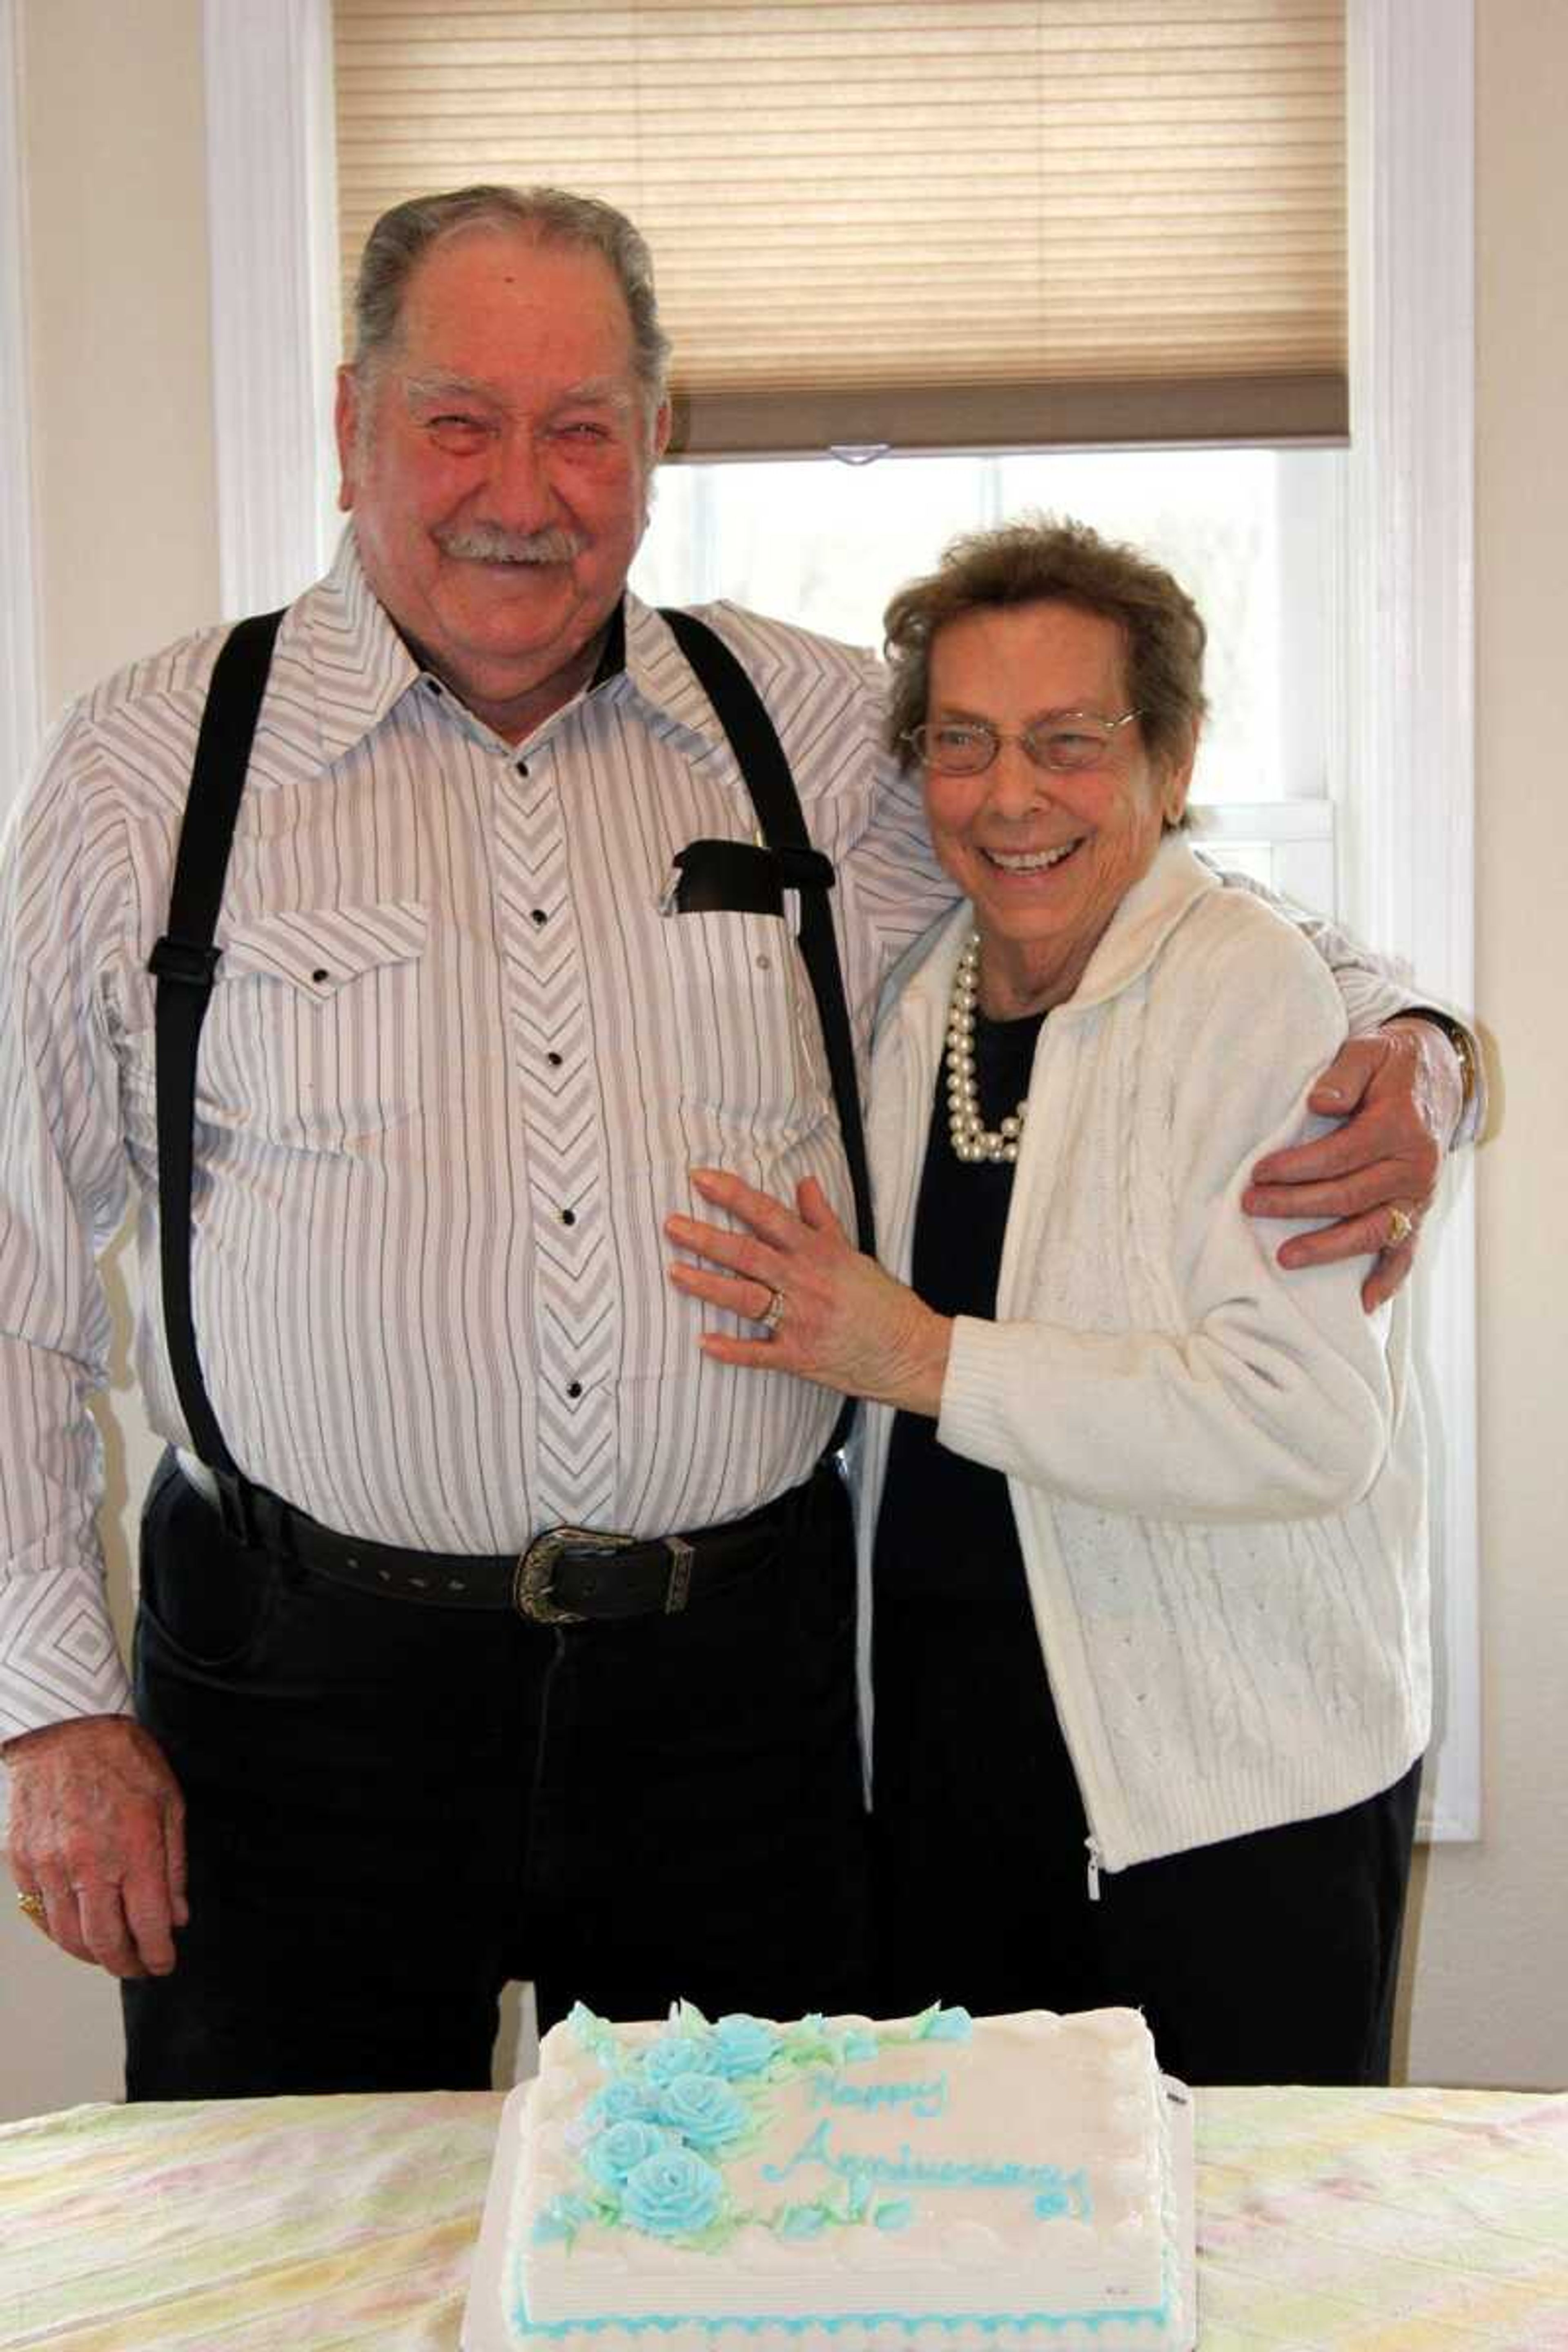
184 961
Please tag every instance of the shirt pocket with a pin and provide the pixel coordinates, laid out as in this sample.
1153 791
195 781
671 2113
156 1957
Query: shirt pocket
748 1037
311 1040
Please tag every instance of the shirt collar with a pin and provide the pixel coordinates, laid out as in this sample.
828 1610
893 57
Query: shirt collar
658 671
360 665
361 668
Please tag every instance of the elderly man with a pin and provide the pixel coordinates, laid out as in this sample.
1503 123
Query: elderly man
469 1031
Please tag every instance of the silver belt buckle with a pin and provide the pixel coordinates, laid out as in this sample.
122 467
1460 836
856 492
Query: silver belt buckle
530 1593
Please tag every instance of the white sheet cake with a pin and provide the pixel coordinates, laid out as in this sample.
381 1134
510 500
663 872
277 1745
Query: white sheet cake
833 2184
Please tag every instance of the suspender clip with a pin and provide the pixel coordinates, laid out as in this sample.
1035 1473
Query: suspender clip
177 960
234 1509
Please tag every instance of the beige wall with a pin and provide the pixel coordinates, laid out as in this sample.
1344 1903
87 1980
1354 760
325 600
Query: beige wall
113 134
114 145
1490 1986
121 391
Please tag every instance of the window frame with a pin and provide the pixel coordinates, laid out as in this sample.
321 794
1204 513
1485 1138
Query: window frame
1406 844
1406 830
21 694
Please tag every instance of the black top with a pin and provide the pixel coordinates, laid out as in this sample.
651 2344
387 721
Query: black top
946 1524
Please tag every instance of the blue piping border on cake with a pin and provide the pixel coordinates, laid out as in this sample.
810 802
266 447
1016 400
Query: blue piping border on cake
988 2323
908 2323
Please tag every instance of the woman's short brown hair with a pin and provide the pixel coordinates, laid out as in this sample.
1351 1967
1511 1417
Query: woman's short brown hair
1042 560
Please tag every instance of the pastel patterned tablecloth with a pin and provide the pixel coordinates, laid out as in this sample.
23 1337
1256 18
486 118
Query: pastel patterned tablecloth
1383 2221
1328 2221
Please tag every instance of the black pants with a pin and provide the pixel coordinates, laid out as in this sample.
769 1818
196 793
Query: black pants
395 1808
1267 1958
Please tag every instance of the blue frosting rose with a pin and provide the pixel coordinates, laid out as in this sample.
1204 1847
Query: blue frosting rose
679 2053
619 2150
703 2109
625 2100
742 2046
671 2195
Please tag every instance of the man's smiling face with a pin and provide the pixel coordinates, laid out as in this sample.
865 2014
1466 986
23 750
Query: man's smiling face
496 462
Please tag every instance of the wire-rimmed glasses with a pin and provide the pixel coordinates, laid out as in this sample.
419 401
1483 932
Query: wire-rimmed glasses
1068 743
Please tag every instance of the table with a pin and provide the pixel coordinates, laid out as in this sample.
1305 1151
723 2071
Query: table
1412 2220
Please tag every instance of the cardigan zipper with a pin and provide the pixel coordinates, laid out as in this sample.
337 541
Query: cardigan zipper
1075 1746
1066 1721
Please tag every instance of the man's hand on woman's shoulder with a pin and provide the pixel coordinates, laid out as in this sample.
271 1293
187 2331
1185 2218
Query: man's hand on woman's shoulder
1400 1095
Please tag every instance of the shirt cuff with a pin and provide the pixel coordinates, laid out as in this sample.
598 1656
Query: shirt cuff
59 1656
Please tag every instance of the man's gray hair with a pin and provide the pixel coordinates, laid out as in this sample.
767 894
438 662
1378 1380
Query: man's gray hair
553 216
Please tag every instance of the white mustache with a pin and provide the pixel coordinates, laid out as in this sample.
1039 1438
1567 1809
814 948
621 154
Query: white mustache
489 542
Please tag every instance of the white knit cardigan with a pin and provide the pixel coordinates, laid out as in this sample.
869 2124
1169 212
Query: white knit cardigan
1217 1468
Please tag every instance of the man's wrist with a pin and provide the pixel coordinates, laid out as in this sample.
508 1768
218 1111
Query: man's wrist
18 1744
1464 1050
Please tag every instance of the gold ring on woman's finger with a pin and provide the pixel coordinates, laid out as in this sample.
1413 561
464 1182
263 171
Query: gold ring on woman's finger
31 1905
773 1313
1401 1225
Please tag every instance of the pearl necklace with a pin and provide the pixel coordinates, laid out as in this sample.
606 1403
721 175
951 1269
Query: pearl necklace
971 1141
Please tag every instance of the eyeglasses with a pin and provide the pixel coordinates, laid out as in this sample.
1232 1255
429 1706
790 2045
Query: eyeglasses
1069 744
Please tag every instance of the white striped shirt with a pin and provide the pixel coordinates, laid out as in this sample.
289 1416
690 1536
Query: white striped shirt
458 1063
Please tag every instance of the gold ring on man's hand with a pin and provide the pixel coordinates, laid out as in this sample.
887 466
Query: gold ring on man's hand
1401 1225
32 1904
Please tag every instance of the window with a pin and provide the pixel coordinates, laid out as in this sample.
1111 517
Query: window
1254 535
1398 629
945 227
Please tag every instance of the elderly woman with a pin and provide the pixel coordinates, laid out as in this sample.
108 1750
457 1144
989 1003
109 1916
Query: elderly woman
1143 1515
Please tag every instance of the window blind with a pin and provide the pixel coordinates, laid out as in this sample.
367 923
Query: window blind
923 224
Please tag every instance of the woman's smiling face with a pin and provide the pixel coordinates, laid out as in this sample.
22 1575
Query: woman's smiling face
1044 857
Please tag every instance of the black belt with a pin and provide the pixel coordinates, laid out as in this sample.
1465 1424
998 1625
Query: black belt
567 1576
